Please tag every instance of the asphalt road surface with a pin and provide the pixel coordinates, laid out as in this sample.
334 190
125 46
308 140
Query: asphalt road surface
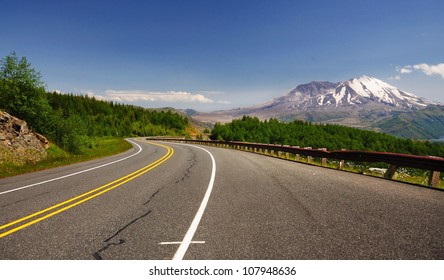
168 200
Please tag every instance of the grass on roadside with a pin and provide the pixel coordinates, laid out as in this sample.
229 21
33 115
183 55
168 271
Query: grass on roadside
100 147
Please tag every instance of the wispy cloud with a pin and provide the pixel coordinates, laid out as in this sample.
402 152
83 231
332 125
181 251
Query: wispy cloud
137 95
427 69
404 70
396 78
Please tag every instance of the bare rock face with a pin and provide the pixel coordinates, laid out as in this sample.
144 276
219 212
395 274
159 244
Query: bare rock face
18 144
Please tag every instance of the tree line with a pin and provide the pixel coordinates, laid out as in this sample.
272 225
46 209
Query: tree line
332 137
72 121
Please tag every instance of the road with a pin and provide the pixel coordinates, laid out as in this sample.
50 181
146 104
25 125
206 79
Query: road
170 200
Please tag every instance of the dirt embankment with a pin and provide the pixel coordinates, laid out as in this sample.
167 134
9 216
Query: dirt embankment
18 143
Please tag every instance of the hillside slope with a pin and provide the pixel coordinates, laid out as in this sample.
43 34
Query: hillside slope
427 124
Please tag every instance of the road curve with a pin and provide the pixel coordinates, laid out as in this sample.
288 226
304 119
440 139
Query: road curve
257 208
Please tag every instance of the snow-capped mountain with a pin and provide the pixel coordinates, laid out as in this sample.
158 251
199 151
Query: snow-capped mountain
356 92
363 102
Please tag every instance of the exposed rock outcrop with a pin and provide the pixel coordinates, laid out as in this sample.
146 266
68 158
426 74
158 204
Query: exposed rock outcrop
19 144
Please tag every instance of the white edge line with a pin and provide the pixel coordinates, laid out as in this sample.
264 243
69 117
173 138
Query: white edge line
75 173
180 242
187 240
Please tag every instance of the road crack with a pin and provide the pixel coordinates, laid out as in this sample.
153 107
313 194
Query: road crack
98 254
153 195
192 162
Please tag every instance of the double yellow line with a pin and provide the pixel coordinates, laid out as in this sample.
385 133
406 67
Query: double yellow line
44 214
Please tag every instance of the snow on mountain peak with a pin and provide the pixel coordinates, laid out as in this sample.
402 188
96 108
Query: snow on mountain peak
382 92
356 92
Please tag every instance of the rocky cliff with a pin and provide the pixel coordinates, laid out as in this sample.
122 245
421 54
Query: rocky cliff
19 144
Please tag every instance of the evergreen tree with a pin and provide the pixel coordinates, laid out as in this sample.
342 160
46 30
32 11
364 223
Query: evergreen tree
332 137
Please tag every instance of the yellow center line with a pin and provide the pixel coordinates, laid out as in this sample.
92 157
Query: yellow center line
89 195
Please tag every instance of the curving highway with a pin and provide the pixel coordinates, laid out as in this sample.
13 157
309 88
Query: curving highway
178 201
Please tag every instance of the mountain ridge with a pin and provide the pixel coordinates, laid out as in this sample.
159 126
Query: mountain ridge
363 102
357 91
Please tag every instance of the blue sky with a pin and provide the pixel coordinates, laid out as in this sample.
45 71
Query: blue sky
210 55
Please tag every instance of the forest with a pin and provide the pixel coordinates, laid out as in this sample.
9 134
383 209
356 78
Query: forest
81 117
72 121
332 137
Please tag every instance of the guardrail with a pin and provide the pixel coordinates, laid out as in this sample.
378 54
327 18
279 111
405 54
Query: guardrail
434 164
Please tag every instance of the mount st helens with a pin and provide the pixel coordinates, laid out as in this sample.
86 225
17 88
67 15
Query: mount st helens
364 102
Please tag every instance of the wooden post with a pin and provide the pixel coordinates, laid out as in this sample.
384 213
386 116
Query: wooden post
434 178
341 164
309 159
390 171
297 157
324 161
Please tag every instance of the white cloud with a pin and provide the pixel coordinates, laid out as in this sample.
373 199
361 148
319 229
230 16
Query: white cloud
169 96
223 102
404 70
427 69
430 69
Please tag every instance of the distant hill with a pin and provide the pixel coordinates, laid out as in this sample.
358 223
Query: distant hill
421 124
364 102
